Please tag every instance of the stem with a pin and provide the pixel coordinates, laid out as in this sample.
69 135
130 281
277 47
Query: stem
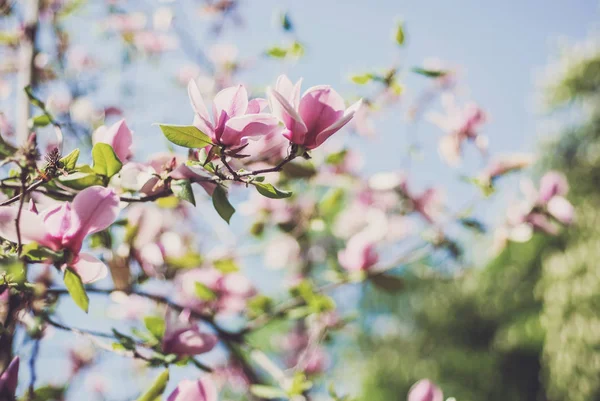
21 196
32 362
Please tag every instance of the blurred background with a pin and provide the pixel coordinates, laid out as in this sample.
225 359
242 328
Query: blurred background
518 324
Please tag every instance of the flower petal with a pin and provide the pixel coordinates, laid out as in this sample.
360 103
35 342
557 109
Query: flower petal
320 107
118 136
202 116
89 268
337 125
94 209
290 117
195 390
250 125
257 105
230 102
31 225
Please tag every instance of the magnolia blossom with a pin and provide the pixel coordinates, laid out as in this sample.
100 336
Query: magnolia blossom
505 164
202 389
9 379
118 136
64 227
183 338
312 118
360 253
540 210
234 118
460 125
425 390
231 291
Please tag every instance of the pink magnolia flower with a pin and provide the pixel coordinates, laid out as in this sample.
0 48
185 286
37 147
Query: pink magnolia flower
360 254
119 136
65 226
312 118
460 125
183 338
9 379
425 390
234 118
552 184
231 290
202 389
505 164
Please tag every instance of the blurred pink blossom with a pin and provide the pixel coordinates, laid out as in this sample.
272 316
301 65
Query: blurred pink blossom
202 389
118 136
425 390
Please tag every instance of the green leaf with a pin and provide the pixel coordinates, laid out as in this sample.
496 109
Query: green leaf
125 341
48 393
276 52
362 79
183 190
83 177
267 392
6 149
473 224
429 73
204 293
157 388
33 99
259 305
286 22
221 204
76 289
36 253
297 50
155 325
70 161
105 159
400 35
39 121
9 38
387 283
187 136
187 261
270 191
226 266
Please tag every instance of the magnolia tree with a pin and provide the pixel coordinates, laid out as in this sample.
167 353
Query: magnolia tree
81 214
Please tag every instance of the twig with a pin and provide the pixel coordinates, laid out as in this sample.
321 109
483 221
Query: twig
32 361
21 195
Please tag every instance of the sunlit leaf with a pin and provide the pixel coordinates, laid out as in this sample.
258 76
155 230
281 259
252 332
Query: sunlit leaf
157 388
105 159
221 204
270 191
76 289
187 136
183 190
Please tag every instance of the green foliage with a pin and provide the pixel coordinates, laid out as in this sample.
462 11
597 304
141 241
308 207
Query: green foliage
183 190
76 289
70 161
221 204
187 136
157 388
83 177
270 191
106 162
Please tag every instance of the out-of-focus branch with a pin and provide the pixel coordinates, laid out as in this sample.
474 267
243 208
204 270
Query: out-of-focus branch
26 76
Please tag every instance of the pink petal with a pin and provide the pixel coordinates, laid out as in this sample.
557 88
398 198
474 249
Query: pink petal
257 105
202 117
200 390
94 209
250 125
32 226
290 118
552 183
230 102
561 209
336 126
188 341
425 390
289 90
57 221
320 107
118 136
9 378
89 268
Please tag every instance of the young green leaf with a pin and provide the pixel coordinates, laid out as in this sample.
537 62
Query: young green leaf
39 121
6 149
183 190
76 289
429 73
267 392
106 161
276 52
157 388
222 205
286 22
70 161
362 79
204 293
270 191
84 177
187 136
400 34
155 325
